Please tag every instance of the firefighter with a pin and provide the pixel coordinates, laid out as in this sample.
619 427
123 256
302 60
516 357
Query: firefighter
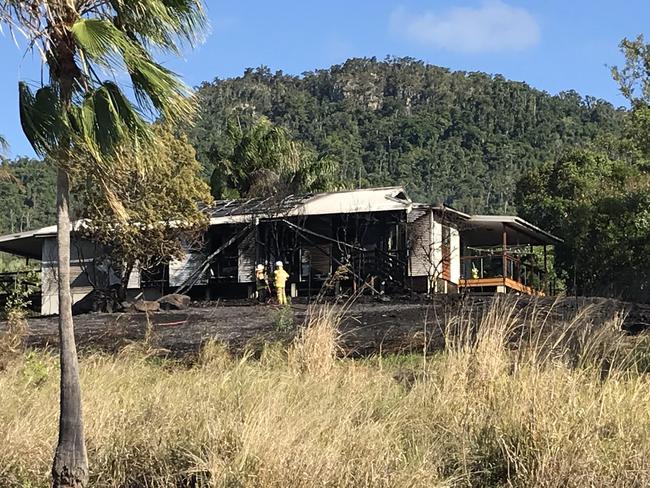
280 277
262 284
475 275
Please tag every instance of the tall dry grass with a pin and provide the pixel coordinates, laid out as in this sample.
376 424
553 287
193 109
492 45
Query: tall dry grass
509 403
315 349
12 339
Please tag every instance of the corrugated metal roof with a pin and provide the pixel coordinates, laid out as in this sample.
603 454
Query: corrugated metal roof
517 223
350 201
43 232
28 243
49 231
243 210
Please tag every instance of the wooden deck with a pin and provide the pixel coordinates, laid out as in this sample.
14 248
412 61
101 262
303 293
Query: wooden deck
508 283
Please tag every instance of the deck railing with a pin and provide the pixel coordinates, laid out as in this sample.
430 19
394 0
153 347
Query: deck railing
520 269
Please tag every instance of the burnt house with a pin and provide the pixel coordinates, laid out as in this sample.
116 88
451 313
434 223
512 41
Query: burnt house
336 242
360 237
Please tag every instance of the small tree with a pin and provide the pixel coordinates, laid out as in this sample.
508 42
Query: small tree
634 77
148 212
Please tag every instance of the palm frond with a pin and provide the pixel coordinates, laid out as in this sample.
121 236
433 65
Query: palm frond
109 35
106 118
41 117
158 89
101 41
4 145
163 24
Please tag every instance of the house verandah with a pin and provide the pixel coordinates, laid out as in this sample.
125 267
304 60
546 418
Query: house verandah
505 254
338 242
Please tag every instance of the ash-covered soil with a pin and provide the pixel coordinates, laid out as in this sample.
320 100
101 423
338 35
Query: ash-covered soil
367 326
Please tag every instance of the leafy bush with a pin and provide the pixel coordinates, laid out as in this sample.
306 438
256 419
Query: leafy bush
18 293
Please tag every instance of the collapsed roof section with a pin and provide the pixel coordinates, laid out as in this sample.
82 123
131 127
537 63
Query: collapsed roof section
444 213
339 202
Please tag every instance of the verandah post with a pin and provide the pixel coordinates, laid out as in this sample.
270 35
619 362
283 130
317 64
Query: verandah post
504 256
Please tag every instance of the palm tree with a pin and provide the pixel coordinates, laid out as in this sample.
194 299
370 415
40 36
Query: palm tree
265 161
84 45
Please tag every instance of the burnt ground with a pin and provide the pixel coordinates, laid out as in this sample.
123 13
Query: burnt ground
367 326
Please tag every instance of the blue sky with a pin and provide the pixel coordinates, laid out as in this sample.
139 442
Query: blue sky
553 45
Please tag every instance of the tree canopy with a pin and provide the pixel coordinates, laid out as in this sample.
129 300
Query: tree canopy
26 194
600 205
148 215
598 199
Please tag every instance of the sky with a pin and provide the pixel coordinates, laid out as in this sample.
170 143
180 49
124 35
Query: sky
553 45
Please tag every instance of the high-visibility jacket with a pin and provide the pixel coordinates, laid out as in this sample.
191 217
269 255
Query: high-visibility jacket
280 277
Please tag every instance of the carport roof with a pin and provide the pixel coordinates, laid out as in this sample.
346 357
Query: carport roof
488 230
27 244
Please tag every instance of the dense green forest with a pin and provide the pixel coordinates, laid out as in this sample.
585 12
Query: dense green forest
454 137
27 195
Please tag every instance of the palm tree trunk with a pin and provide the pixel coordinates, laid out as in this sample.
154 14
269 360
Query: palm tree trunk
70 467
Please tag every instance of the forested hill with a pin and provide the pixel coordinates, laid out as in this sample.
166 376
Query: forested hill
27 195
455 137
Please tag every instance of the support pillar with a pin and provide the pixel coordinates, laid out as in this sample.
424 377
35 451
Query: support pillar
505 250
547 284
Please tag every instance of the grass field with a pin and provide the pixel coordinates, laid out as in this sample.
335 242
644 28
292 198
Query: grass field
561 408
